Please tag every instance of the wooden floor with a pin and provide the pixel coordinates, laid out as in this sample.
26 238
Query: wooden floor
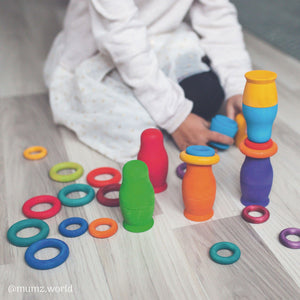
171 260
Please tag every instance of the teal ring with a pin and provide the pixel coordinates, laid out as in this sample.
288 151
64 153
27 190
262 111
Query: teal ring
76 187
225 260
27 223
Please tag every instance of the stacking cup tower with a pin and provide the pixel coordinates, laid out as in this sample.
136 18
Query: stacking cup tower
260 104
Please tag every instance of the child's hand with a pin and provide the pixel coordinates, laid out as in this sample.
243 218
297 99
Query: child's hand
234 106
194 130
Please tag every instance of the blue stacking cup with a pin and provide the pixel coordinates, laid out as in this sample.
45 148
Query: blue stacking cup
259 122
224 125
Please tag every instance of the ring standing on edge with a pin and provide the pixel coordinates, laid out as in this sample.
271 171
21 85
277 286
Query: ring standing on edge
103 234
108 201
76 187
257 208
46 264
35 152
285 241
101 171
27 223
46 214
53 173
180 170
225 260
71 221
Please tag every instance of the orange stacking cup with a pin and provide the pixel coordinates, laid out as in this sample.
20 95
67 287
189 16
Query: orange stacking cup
199 183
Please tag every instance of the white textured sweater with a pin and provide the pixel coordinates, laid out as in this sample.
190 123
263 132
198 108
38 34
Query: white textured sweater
124 31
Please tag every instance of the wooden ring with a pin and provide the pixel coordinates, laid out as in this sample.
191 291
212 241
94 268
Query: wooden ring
35 152
103 234
101 171
46 214
108 201
256 220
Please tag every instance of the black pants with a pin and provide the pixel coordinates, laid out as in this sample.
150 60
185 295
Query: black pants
205 91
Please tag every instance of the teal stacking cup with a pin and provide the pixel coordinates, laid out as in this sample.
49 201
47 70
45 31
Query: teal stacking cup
224 125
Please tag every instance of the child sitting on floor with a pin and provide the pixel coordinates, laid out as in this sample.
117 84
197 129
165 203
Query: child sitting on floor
119 67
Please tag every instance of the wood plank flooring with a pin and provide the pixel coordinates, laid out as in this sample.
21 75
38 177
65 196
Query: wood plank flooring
171 260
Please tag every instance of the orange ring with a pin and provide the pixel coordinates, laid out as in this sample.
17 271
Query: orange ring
103 234
41 152
258 153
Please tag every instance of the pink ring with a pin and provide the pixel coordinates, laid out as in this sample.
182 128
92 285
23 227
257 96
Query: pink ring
108 201
100 171
29 213
256 220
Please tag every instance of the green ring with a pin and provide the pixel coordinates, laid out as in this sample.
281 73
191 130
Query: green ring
225 260
76 187
27 223
66 178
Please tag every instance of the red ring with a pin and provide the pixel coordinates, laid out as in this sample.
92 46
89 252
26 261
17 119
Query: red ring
29 213
108 201
258 146
256 220
100 171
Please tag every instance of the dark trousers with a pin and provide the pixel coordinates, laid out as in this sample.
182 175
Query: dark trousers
205 91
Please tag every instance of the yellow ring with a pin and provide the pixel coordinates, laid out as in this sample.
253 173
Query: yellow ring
41 152
199 160
69 177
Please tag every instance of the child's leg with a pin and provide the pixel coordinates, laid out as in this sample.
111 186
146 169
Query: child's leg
205 91
99 108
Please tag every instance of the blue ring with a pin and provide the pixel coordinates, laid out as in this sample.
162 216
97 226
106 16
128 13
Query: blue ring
70 221
225 260
200 150
48 263
76 187
219 145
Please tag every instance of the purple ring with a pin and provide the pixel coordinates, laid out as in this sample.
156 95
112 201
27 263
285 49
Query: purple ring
286 242
180 170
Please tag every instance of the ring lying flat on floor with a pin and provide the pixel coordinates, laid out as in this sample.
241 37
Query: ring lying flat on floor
25 242
101 171
108 201
285 241
76 187
256 220
35 152
71 221
225 260
66 178
48 263
29 213
103 234
180 170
